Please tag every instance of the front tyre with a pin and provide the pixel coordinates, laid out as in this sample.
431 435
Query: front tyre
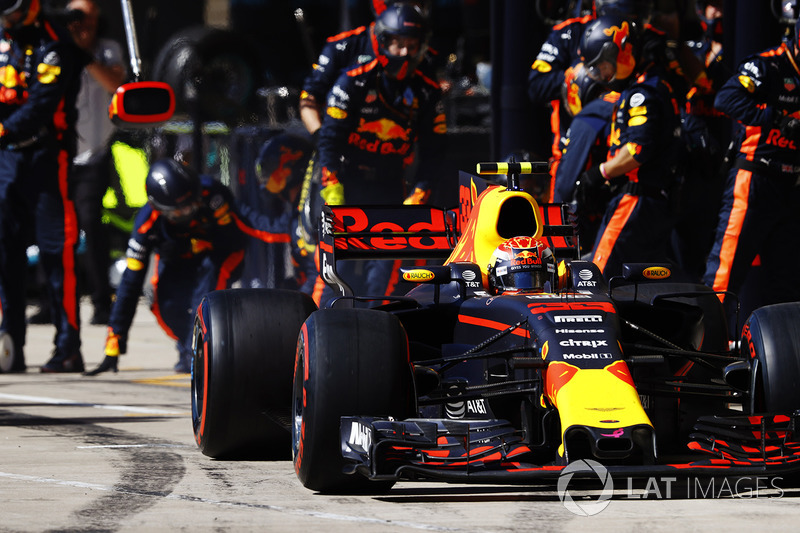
243 355
349 362
771 338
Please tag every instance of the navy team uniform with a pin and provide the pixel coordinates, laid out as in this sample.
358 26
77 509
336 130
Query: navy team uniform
192 260
586 145
354 47
38 87
760 205
546 78
345 51
639 219
368 138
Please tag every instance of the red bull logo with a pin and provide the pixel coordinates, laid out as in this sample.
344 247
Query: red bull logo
279 176
528 257
384 129
625 61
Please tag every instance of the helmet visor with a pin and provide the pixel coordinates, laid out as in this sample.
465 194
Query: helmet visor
522 280
180 214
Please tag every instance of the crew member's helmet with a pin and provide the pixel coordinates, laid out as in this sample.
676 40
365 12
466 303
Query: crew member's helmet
379 6
608 51
406 22
282 162
174 190
579 89
786 11
521 264
639 11
17 13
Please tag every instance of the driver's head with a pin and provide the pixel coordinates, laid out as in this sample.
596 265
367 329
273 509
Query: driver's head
18 13
521 264
174 190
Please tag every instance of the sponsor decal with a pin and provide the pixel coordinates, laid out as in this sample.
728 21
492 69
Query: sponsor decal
656 273
384 129
476 406
418 275
574 331
468 275
587 356
360 436
577 318
585 274
590 343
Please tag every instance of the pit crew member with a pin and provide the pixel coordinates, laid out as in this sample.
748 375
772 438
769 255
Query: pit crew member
198 236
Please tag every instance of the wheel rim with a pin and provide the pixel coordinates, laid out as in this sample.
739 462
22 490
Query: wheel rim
198 378
297 399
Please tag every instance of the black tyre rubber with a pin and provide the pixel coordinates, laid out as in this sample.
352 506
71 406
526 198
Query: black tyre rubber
349 362
244 346
212 67
771 338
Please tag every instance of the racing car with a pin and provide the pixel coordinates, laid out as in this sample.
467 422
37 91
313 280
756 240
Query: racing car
457 381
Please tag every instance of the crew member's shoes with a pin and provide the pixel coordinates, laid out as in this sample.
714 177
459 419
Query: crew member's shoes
184 365
58 364
100 316
109 363
42 316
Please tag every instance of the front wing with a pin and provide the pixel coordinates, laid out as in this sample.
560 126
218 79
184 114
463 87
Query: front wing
492 451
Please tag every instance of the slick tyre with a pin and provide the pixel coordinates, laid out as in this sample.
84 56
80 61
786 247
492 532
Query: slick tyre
214 72
771 339
349 362
244 346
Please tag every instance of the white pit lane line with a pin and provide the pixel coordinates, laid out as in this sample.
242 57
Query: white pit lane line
196 499
110 407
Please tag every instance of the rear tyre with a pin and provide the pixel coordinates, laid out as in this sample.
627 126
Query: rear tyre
243 352
772 340
349 362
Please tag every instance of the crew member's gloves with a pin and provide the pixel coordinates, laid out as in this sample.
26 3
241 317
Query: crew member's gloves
592 193
332 190
116 344
419 196
790 126
333 194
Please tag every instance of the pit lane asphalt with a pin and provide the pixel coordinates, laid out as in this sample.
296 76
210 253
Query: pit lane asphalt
116 453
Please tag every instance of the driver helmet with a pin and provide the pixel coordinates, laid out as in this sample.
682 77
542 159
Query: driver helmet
18 13
521 264
174 190
608 51
406 25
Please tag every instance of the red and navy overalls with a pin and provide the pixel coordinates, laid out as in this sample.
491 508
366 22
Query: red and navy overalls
761 201
370 132
639 219
39 81
190 260
546 78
